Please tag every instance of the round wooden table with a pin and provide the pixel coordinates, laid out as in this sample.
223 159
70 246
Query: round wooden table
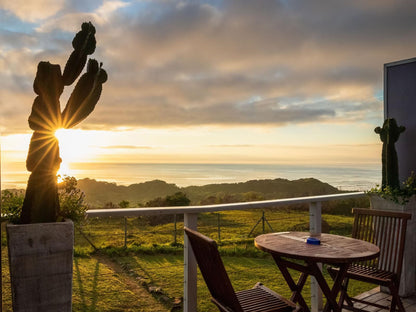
333 249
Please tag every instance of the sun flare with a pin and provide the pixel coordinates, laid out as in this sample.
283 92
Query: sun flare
74 146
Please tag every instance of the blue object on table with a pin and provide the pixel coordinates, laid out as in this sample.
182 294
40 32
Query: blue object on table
313 241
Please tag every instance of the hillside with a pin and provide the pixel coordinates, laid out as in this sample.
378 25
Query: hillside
99 193
261 189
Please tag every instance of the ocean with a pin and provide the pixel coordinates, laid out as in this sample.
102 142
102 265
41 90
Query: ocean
343 177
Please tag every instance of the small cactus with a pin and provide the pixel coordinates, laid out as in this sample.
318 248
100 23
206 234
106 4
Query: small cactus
389 134
41 202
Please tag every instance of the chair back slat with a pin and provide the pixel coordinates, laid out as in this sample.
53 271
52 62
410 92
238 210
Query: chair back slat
383 242
386 229
395 247
213 270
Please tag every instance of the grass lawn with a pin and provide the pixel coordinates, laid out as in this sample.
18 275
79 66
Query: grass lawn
166 271
225 226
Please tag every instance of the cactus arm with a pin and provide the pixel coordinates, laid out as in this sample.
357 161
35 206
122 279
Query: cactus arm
85 95
84 44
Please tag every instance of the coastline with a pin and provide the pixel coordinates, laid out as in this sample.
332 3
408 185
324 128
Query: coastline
344 177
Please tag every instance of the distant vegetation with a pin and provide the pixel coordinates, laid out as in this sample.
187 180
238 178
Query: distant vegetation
157 193
100 194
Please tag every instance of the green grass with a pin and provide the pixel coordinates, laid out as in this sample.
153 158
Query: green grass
96 288
166 271
154 264
233 226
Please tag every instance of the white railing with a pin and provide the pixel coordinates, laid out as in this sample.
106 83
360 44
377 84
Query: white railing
190 220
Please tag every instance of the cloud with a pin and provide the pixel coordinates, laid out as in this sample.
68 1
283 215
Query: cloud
71 17
106 10
228 63
32 11
170 114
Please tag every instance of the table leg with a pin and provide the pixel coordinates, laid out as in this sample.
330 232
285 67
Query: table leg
296 288
330 294
343 268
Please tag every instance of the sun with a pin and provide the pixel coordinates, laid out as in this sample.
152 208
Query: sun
74 146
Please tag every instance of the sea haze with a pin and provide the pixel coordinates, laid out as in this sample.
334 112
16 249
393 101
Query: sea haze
344 178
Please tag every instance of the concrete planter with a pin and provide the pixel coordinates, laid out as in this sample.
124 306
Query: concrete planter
40 260
408 278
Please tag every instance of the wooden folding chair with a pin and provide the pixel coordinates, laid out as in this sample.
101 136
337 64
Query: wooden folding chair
387 230
258 299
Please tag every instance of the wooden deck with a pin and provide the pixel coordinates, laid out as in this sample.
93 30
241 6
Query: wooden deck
376 296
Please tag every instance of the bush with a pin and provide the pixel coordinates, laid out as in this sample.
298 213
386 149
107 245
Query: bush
71 200
11 205
177 199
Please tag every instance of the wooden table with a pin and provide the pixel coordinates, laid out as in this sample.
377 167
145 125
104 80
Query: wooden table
285 247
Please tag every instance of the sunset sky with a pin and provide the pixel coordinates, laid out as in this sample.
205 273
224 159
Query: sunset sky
238 81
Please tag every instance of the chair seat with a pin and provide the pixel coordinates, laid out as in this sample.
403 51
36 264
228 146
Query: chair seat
368 274
262 299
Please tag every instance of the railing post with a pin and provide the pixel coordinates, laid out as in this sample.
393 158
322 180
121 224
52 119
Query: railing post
315 218
315 227
190 267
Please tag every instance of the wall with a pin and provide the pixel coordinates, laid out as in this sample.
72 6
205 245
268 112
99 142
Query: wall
400 103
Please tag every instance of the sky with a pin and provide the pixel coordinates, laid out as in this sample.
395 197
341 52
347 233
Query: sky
239 81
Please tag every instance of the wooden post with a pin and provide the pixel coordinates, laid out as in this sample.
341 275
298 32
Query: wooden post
190 267
315 227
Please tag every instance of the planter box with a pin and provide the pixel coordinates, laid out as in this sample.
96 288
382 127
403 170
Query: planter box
408 278
41 262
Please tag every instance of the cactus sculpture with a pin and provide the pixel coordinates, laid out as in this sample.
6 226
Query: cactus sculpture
389 134
41 202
